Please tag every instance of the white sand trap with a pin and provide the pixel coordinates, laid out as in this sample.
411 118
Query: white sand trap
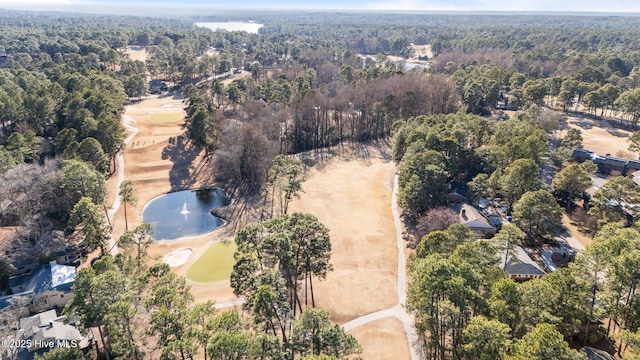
177 257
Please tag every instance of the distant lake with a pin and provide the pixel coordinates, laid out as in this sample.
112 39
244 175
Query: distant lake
249 27
408 66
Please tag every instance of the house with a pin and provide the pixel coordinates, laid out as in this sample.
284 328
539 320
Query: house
157 86
596 354
633 166
519 265
47 330
611 165
458 193
474 220
581 155
23 266
607 164
635 176
47 287
70 255
455 197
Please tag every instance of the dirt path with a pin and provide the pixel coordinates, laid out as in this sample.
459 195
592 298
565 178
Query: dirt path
399 311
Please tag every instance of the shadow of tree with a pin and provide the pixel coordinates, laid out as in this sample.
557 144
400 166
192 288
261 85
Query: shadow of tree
182 156
347 151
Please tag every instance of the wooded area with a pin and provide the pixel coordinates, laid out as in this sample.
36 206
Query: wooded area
64 84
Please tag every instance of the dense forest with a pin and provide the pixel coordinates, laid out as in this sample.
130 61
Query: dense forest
65 80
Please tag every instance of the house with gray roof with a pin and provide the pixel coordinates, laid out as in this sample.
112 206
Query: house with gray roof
519 265
47 330
475 221
581 155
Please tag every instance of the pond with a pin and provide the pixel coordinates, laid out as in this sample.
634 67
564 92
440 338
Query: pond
408 66
184 213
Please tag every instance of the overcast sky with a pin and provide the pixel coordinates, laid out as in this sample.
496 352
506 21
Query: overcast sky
625 6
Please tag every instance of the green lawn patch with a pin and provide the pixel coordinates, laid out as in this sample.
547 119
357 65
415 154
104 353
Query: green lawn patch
215 264
165 117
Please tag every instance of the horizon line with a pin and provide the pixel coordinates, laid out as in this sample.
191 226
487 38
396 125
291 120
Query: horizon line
64 8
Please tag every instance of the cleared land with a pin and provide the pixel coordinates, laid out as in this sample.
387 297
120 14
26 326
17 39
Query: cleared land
136 53
421 51
350 193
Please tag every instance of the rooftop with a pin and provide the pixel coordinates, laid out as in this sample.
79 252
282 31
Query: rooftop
520 263
51 276
47 326
473 219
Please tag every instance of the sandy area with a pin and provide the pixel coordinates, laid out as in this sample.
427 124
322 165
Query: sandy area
6 231
383 339
177 257
136 53
351 196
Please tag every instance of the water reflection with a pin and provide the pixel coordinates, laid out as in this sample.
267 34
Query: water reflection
184 213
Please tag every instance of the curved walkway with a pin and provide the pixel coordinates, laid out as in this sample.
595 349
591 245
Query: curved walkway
126 122
399 312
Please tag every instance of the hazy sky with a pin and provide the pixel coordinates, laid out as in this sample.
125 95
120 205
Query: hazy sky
627 6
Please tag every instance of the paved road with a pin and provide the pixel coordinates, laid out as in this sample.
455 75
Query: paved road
399 312
126 122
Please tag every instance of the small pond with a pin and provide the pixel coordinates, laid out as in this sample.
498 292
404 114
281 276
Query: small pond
184 213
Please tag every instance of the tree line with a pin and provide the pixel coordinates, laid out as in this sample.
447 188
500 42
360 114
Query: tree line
64 81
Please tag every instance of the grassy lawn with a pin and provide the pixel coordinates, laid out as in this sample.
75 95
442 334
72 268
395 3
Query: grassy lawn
215 264
165 117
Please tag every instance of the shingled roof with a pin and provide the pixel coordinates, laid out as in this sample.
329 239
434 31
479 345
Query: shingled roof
519 263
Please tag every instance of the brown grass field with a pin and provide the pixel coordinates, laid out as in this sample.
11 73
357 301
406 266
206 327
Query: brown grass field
350 193
382 339
600 137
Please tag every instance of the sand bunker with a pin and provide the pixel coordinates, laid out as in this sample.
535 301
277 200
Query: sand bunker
177 257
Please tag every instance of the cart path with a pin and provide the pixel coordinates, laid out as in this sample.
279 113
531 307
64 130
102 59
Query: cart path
126 122
399 311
